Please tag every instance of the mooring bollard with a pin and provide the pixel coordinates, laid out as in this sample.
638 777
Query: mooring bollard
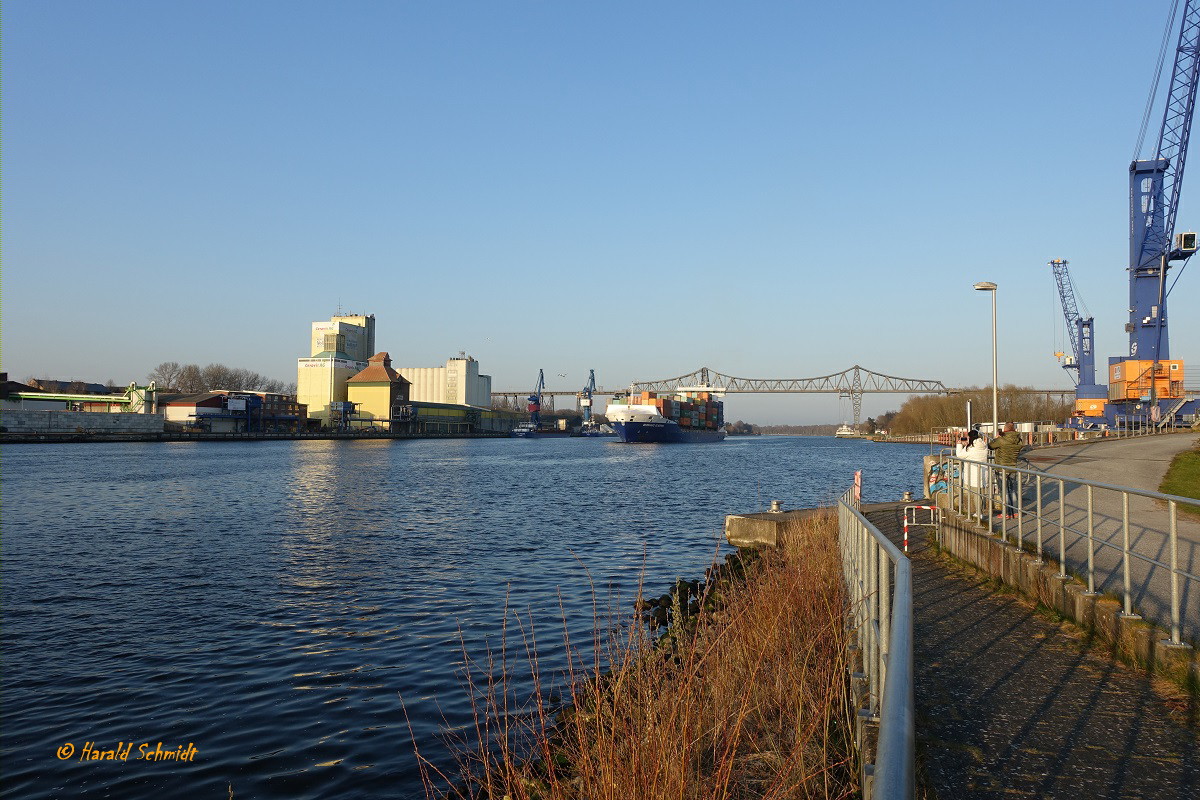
775 507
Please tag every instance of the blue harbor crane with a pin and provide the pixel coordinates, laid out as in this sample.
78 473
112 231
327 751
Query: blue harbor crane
1089 398
1147 381
535 401
585 398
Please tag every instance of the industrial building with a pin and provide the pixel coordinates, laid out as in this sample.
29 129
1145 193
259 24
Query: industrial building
378 392
30 409
339 350
457 383
444 419
224 411
357 332
346 385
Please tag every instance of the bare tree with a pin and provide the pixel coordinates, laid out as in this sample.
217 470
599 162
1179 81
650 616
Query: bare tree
165 375
189 379
193 378
216 376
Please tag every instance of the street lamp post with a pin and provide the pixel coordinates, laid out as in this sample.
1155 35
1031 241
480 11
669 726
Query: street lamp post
988 286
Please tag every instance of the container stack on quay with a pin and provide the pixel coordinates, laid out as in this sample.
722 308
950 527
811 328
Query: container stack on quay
689 409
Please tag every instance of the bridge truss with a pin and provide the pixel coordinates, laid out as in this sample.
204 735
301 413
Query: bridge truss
851 383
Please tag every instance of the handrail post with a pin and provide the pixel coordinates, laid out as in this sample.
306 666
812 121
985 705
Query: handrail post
1039 520
1125 553
962 474
991 503
885 611
1004 504
873 621
1062 529
1091 528
1176 624
1020 481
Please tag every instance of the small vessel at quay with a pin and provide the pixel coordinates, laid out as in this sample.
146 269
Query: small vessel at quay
596 429
536 428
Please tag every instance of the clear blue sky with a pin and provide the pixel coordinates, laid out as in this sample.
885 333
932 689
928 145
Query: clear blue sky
768 189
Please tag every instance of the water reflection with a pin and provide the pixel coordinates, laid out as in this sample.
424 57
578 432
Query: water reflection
313 585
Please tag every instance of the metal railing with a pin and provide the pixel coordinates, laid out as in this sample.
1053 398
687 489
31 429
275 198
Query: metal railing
879 579
978 490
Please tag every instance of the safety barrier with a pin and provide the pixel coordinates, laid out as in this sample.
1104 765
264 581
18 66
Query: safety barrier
879 579
911 520
978 490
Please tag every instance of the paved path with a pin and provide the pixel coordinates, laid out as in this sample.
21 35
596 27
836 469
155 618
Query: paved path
1137 463
1012 705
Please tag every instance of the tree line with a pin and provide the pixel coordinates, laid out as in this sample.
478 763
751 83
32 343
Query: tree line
192 378
924 413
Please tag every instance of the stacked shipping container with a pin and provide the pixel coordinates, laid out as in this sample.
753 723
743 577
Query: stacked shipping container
689 409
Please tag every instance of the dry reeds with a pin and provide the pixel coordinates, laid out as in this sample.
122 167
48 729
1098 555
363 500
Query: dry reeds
746 696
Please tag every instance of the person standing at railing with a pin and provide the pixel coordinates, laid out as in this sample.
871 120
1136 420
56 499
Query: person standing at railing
960 452
1007 447
974 452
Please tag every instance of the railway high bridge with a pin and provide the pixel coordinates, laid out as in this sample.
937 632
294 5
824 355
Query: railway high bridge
851 383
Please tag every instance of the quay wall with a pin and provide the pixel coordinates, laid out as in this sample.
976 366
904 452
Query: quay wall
26 421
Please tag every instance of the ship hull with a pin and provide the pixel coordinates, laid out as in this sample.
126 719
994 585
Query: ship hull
665 432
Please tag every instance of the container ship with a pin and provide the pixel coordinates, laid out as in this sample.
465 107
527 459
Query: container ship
685 416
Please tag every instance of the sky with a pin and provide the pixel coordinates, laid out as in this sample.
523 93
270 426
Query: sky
768 189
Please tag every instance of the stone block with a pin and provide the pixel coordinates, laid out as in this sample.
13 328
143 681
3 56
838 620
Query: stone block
762 529
1049 589
1135 639
1030 572
1082 605
1174 660
1070 592
1106 619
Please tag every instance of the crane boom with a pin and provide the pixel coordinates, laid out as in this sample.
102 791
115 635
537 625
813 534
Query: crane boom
1154 189
1079 328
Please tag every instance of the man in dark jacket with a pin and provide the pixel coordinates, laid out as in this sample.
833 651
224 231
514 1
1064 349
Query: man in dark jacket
1008 447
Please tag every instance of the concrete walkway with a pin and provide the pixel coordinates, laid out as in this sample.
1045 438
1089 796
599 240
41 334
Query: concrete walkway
1138 463
1011 704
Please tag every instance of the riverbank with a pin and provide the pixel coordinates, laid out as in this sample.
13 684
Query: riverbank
85 437
735 687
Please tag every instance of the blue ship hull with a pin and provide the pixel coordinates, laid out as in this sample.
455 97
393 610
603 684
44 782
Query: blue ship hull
664 432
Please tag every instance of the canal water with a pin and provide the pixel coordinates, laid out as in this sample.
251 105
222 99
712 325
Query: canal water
280 606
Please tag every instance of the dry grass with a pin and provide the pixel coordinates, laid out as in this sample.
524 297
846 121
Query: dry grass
744 697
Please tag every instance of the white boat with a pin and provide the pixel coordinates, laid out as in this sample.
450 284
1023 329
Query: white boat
846 432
